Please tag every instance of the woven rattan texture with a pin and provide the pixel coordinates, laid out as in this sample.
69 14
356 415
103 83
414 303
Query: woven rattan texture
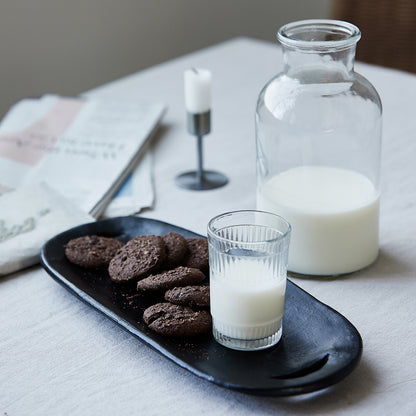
388 30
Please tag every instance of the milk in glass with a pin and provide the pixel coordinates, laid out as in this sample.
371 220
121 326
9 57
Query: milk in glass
247 299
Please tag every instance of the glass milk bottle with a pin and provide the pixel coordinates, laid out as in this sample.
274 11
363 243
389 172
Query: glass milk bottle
318 136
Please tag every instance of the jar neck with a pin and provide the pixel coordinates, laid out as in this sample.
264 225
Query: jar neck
296 60
327 45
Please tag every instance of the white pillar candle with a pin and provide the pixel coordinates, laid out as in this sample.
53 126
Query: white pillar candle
197 90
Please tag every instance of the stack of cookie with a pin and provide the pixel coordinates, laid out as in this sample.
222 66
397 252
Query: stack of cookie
170 264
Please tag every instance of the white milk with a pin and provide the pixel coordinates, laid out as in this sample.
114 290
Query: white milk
334 217
247 300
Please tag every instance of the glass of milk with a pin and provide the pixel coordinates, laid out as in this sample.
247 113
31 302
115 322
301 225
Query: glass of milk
318 136
248 253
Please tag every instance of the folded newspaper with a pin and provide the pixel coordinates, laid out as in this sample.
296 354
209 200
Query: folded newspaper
62 161
83 148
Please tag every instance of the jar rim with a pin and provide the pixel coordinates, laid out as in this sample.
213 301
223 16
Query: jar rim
319 34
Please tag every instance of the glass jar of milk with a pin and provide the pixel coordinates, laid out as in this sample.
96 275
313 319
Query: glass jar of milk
318 135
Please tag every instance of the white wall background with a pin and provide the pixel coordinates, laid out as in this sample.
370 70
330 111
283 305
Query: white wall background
69 46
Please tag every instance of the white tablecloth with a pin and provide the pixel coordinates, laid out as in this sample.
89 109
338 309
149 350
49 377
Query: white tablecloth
60 357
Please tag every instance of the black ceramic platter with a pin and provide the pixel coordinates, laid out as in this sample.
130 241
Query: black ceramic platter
319 346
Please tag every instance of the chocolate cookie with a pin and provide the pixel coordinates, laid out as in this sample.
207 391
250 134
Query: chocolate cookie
176 249
181 276
138 258
92 251
193 296
175 320
198 254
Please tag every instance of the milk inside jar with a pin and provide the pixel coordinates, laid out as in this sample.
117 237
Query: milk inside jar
334 214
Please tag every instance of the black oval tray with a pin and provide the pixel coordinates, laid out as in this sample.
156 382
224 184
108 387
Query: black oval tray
319 346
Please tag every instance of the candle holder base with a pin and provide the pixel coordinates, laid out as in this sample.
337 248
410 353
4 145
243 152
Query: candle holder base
209 180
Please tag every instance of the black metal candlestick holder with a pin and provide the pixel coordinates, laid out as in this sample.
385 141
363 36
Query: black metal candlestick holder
200 180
